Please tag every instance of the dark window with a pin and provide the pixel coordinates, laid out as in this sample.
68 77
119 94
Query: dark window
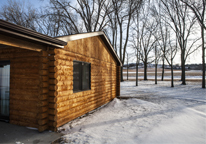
4 89
81 76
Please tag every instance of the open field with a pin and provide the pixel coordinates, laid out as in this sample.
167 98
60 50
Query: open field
192 75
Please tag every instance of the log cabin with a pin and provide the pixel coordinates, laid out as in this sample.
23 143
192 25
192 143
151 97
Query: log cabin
46 82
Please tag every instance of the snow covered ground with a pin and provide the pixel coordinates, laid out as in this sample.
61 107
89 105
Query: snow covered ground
160 72
151 72
149 113
165 77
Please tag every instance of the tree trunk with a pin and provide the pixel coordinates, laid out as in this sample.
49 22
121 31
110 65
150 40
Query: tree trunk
172 78
181 66
136 74
155 73
163 68
145 70
127 66
122 74
203 58
183 73
113 37
120 53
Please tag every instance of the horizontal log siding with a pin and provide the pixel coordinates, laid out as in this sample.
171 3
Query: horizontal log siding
64 105
44 91
28 87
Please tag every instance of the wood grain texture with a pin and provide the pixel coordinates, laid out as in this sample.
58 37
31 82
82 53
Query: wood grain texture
41 89
64 105
29 86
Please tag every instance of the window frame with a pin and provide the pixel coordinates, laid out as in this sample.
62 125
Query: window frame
81 73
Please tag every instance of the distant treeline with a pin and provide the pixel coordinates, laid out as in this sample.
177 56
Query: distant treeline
177 66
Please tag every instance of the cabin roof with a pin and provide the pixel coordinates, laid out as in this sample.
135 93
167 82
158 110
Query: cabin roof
25 33
101 34
22 32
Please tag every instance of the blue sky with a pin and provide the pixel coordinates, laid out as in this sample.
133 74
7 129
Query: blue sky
34 3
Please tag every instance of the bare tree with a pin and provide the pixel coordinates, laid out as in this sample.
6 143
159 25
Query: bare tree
51 23
162 33
164 38
182 23
137 65
127 65
147 40
135 46
135 41
158 55
124 11
85 16
170 55
19 13
113 26
198 8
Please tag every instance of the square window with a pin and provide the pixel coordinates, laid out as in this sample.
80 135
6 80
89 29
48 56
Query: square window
81 76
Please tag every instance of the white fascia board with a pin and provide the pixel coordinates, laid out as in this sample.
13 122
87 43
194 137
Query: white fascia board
79 36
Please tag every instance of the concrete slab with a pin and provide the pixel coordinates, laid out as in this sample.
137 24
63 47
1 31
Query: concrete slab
10 133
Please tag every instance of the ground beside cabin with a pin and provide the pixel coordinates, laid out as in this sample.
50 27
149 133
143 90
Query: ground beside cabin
161 114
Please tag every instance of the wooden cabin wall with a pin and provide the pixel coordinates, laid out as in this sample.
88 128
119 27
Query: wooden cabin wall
28 87
64 105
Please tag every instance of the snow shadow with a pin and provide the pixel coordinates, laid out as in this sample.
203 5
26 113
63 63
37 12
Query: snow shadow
144 115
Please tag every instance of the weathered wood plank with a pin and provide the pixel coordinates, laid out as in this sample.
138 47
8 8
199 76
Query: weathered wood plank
23 119
28 124
42 121
60 88
42 128
52 117
68 106
72 116
43 96
16 96
24 113
65 105
60 83
24 108
32 104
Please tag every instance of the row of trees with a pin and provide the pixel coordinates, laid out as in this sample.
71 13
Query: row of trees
156 29
166 27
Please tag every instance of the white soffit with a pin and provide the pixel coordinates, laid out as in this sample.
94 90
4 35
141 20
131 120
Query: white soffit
79 36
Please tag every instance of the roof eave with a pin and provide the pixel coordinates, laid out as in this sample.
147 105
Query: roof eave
92 34
111 48
31 38
20 31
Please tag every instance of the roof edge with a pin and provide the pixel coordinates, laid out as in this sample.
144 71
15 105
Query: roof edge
79 36
92 34
21 31
112 49
31 38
